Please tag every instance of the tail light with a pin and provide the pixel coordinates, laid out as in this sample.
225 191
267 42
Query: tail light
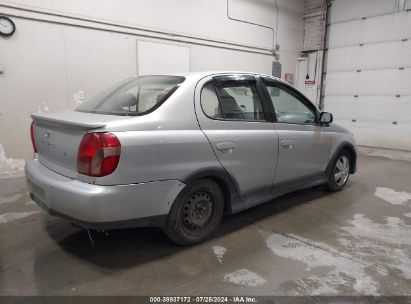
32 136
98 154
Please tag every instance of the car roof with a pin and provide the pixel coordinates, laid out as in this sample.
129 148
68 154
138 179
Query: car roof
200 75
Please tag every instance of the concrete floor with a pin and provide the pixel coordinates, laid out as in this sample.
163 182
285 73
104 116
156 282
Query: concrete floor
357 241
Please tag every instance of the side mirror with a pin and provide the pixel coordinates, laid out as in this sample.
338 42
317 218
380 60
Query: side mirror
326 118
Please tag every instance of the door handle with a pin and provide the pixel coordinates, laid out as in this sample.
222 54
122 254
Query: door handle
226 147
287 143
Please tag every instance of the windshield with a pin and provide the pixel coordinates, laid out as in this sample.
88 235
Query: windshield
133 97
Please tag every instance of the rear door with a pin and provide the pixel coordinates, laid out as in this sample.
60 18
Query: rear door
303 147
232 114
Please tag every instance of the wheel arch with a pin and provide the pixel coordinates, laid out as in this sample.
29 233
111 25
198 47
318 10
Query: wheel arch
350 148
219 176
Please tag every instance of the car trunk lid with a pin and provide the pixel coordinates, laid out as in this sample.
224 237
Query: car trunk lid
58 135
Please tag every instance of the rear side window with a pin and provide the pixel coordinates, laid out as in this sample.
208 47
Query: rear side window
135 97
232 101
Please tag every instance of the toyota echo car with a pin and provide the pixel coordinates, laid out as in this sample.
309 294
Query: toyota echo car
180 151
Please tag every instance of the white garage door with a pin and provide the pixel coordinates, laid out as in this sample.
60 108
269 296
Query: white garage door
368 74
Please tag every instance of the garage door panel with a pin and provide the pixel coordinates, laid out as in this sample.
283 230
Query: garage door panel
371 56
380 135
342 107
378 29
344 10
371 82
383 109
341 83
365 88
404 113
370 109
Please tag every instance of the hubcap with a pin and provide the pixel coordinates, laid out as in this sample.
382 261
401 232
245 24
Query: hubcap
197 210
341 170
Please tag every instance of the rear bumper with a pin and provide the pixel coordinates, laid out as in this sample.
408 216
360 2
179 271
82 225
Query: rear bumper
103 207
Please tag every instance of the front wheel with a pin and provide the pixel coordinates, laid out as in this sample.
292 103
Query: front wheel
339 172
195 213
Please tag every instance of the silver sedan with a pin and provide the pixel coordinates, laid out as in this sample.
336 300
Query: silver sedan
180 151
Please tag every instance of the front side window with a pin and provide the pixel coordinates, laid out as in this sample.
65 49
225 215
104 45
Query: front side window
288 107
232 101
134 97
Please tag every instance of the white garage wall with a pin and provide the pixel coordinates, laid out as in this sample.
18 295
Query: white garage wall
209 58
93 60
368 70
200 18
158 57
65 51
48 67
290 27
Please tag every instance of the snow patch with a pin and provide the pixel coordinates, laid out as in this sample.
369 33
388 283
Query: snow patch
30 203
219 252
389 242
391 154
318 244
343 272
14 216
407 214
244 277
10 176
9 199
43 108
315 284
10 165
392 196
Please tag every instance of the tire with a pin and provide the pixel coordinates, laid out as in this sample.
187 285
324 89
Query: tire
336 179
195 213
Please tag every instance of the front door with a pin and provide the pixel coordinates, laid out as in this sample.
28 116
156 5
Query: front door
303 147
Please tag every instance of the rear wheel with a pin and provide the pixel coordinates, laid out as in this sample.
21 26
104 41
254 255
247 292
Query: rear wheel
195 213
339 172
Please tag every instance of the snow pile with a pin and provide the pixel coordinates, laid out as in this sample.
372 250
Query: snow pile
244 277
392 196
389 241
10 165
368 247
14 216
342 272
219 252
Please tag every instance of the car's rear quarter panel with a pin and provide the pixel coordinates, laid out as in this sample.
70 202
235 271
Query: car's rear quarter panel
159 155
165 144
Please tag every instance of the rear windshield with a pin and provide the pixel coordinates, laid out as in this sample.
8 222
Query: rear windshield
133 97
